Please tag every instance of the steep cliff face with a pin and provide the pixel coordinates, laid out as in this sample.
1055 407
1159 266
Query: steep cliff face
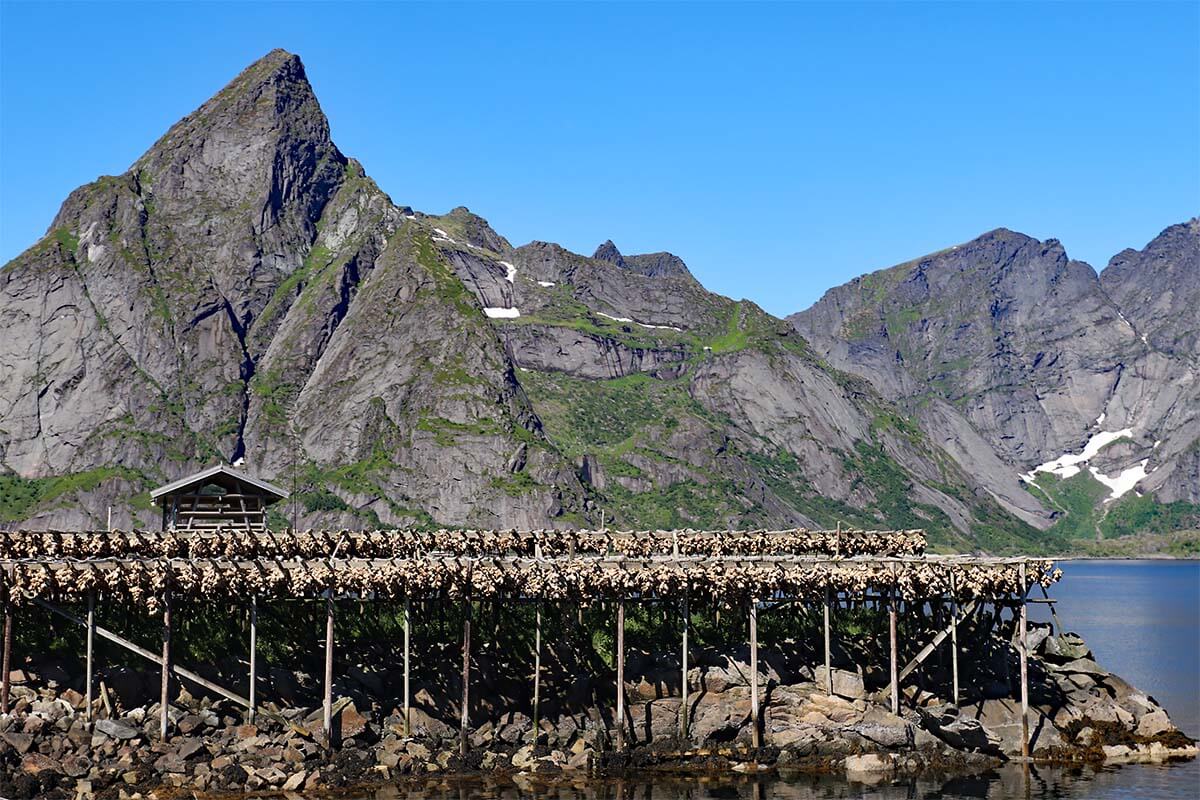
246 292
1026 365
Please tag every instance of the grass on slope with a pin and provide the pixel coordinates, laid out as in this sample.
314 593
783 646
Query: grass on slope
21 498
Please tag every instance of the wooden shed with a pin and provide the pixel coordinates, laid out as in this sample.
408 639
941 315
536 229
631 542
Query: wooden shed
217 498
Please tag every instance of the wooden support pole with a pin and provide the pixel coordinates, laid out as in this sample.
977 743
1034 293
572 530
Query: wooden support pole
466 682
327 720
91 638
828 650
683 706
620 675
893 652
165 697
1024 669
407 701
537 667
954 636
754 734
6 659
253 656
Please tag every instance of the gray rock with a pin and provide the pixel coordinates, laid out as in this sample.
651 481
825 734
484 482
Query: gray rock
116 729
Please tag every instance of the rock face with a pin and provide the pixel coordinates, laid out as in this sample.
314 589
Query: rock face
1011 355
245 291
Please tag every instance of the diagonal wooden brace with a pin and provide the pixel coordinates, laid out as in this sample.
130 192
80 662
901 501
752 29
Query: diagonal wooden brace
146 654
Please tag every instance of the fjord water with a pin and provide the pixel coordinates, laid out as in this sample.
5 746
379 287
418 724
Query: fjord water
1142 621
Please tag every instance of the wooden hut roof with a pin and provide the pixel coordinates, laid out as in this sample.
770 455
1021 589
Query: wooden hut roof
222 475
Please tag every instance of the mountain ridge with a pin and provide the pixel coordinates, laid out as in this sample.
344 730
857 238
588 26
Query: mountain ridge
245 290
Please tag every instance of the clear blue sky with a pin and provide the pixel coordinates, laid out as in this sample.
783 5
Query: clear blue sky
779 149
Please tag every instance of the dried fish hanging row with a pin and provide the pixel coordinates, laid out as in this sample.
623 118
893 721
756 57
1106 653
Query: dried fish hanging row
719 580
406 543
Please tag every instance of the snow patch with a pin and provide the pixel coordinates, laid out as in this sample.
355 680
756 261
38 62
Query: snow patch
442 236
512 271
643 324
1100 419
1068 464
545 283
501 313
1123 481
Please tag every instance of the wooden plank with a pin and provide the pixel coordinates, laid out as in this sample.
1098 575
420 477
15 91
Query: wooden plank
253 657
537 667
683 706
6 659
407 709
828 650
327 723
620 675
165 697
892 653
466 682
1024 669
88 669
954 636
754 734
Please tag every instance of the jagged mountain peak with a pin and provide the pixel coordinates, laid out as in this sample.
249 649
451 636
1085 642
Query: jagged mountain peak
652 265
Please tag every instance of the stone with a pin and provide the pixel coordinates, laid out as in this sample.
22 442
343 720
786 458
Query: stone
350 723
21 742
76 766
845 684
1065 647
115 729
295 781
869 764
524 758
885 729
1085 666
34 763
1154 723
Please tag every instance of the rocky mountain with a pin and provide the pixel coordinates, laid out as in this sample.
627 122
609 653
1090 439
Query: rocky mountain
245 292
1048 383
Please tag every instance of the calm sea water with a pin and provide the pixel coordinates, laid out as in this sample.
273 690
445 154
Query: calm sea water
1142 620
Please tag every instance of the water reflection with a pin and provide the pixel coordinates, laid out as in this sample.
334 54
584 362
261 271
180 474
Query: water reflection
1150 782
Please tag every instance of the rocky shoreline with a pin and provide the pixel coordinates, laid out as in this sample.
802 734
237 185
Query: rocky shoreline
1079 713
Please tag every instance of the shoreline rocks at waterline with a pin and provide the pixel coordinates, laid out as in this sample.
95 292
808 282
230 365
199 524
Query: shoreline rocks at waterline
1080 712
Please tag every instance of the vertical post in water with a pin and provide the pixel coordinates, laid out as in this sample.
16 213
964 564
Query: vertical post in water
537 667
892 654
327 720
954 635
754 672
1024 669
407 707
166 665
621 674
828 650
466 682
91 638
253 657
683 707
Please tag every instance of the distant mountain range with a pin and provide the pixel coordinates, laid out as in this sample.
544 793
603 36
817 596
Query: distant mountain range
246 292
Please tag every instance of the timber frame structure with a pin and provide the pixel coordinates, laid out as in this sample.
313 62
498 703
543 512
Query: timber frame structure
217 498
751 570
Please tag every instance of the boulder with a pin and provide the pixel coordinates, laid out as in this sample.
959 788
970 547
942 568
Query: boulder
869 764
884 729
845 684
115 729
1065 647
1154 723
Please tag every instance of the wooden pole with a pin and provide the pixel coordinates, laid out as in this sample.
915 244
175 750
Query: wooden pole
893 654
828 650
683 707
620 674
407 706
954 636
91 638
327 722
466 682
166 665
6 659
754 673
537 667
253 655
1024 669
